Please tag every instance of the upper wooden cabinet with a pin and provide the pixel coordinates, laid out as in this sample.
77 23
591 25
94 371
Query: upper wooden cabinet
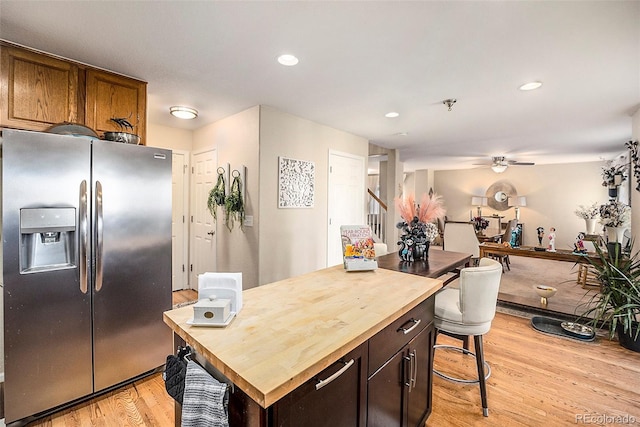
38 90
110 96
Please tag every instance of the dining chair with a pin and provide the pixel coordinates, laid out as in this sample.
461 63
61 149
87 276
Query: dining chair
461 237
469 310
506 237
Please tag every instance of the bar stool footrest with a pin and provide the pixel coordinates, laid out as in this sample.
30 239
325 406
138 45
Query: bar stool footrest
461 380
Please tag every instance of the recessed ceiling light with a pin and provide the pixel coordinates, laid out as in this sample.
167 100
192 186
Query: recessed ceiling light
183 112
392 114
288 60
401 133
530 86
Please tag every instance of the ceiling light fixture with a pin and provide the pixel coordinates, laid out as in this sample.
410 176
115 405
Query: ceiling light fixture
392 114
530 86
183 112
288 60
449 102
498 167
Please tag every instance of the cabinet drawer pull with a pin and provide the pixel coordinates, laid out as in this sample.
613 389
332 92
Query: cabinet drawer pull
322 383
415 322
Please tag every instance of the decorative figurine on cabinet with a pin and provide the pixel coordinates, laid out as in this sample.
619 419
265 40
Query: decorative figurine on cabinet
552 240
578 246
540 231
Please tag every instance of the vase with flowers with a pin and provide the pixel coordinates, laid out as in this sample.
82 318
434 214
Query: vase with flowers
480 224
590 215
615 216
418 225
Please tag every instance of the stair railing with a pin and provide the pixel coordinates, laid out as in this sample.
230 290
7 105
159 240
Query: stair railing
377 217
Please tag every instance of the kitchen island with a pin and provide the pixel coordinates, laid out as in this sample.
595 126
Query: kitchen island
355 346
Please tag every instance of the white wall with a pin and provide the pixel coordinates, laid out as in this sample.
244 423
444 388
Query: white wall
553 193
236 139
282 242
418 183
161 136
294 241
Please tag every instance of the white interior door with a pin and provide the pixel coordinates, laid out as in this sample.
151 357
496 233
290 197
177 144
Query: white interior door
203 239
179 225
346 196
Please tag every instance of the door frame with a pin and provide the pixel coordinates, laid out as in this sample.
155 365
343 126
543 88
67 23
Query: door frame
186 208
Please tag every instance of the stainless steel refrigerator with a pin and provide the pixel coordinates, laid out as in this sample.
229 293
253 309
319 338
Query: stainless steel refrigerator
86 233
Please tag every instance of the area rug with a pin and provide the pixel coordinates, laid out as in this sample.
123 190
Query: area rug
551 326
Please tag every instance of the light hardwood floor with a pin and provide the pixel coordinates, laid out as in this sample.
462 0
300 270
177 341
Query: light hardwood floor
537 380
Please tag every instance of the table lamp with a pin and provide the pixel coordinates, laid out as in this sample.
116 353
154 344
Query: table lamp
479 201
517 202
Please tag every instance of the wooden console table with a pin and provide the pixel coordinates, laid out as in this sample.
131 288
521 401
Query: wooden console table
487 249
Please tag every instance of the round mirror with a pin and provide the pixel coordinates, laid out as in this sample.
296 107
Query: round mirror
498 195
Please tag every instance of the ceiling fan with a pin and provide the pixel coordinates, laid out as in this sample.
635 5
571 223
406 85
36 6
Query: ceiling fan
499 164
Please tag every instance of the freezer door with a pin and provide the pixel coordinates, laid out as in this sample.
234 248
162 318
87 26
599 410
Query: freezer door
46 304
132 214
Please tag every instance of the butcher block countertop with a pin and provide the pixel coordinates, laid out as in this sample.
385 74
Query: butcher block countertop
289 331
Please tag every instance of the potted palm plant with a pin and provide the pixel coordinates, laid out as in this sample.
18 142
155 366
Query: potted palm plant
617 305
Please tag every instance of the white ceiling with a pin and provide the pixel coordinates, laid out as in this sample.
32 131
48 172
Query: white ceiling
362 59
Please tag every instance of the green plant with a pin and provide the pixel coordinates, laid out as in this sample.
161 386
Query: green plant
234 203
217 195
618 302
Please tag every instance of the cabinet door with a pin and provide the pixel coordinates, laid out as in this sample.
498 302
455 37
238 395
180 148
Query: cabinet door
37 91
399 392
385 390
335 397
420 353
113 96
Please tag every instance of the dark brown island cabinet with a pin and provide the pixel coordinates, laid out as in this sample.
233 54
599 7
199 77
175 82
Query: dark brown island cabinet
384 382
399 385
394 390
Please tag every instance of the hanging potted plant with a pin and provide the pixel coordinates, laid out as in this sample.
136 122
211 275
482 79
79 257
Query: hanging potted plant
617 305
234 203
613 176
217 195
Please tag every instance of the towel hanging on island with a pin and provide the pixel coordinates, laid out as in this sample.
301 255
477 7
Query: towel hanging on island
205 401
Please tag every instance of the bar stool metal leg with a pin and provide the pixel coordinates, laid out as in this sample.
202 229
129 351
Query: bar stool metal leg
484 370
480 362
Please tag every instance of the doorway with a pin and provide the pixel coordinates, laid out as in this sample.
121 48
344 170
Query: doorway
346 199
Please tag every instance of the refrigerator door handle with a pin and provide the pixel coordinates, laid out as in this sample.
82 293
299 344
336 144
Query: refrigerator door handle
99 225
83 236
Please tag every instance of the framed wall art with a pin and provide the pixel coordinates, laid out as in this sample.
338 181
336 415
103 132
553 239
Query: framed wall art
296 183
